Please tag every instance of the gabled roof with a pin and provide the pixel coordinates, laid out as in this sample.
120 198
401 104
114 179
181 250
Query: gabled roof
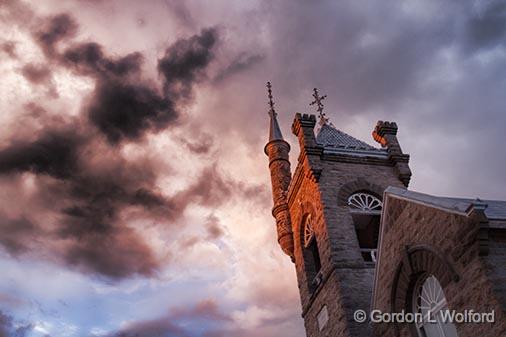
332 137
495 209
336 140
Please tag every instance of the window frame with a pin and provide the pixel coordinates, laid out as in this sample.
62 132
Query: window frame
428 285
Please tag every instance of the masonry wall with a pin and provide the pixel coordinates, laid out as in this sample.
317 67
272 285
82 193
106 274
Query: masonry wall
347 279
495 262
456 238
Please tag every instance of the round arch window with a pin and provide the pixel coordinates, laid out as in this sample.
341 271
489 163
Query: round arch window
429 300
364 202
365 209
310 251
308 231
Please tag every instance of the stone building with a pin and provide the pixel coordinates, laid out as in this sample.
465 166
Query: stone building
360 240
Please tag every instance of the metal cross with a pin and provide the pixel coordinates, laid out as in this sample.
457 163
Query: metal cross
318 101
272 112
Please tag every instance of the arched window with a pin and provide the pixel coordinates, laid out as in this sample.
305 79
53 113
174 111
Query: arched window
364 202
365 209
429 300
310 251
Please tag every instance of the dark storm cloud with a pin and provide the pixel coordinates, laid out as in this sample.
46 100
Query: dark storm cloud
14 234
54 154
488 28
126 111
84 182
92 235
184 61
123 107
115 252
360 60
431 65
89 59
89 198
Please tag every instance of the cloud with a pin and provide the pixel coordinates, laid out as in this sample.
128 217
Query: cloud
89 234
14 234
9 329
200 145
16 12
54 154
214 227
36 73
487 27
126 111
57 28
242 62
207 309
181 12
184 61
95 189
41 75
9 48
94 195
122 106
156 327
125 107
431 66
171 324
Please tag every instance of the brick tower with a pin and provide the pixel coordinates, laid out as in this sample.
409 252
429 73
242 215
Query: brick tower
328 212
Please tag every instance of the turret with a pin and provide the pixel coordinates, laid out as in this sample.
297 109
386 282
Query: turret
385 133
277 150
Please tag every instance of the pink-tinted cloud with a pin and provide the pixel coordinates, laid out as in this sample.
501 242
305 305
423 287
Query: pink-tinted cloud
91 192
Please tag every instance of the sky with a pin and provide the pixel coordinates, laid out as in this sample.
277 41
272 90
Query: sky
134 191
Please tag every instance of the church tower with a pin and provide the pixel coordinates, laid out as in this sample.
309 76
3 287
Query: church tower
328 213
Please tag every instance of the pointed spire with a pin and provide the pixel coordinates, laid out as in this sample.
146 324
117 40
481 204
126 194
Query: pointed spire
274 130
318 101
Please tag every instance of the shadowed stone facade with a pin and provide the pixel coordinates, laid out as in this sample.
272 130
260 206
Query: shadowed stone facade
456 240
333 243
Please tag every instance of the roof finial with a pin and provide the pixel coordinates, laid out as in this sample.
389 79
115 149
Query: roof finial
272 112
318 101
274 130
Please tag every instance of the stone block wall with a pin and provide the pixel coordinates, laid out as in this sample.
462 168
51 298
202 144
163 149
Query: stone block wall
455 260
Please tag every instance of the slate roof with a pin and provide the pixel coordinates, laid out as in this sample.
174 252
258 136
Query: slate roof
496 210
335 140
330 136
